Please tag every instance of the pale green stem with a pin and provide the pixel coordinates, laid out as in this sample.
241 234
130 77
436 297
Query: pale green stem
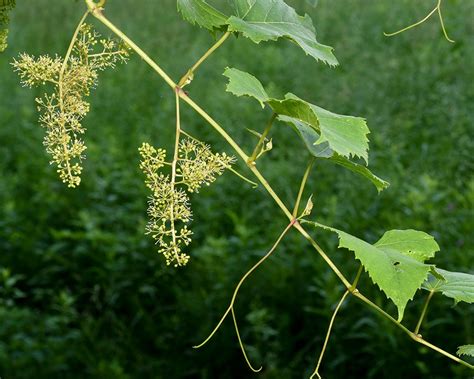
246 275
261 141
242 345
173 176
98 14
328 334
412 335
190 73
412 25
302 186
442 24
423 312
438 9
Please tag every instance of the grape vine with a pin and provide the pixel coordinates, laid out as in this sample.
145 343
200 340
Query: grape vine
399 263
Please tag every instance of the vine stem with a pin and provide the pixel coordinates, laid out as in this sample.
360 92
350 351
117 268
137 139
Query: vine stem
261 141
246 275
328 334
190 73
173 173
302 186
99 15
423 312
230 308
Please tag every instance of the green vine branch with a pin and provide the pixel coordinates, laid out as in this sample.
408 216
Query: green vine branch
230 308
437 8
423 312
331 322
96 11
261 141
189 76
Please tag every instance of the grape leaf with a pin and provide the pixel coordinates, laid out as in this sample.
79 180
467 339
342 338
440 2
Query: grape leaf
466 350
201 13
264 20
5 7
413 243
243 84
260 20
397 274
345 135
309 135
456 285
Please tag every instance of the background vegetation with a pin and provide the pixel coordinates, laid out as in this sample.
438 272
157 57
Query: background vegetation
83 292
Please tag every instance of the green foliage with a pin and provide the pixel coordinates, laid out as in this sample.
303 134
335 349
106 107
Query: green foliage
6 7
134 318
395 262
325 134
456 285
263 20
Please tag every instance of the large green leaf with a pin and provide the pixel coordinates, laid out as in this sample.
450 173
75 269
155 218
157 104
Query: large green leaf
322 150
264 20
466 350
397 273
456 285
201 13
260 20
325 134
5 7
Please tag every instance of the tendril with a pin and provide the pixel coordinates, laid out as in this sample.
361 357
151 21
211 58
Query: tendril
437 8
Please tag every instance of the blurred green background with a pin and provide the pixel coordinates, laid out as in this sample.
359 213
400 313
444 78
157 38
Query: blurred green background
83 292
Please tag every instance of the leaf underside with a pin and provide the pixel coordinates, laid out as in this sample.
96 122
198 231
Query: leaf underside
260 20
397 273
325 134
458 286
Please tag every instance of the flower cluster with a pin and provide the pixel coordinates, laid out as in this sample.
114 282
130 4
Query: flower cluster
169 205
62 111
5 7
198 165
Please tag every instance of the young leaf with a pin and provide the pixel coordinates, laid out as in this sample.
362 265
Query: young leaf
456 285
5 7
397 274
201 13
466 350
243 84
264 20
